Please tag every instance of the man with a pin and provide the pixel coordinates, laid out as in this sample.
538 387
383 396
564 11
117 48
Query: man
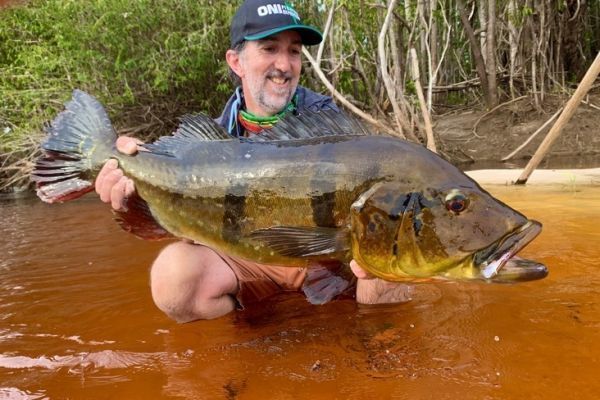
191 281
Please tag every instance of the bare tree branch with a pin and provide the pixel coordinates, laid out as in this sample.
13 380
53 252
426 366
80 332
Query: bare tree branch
345 101
533 135
426 118
326 32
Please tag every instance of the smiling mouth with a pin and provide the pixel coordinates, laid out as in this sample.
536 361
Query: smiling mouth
279 80
498 263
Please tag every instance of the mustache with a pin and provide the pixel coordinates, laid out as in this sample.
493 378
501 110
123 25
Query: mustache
277 73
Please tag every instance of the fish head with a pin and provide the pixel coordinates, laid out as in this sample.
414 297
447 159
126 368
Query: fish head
457 232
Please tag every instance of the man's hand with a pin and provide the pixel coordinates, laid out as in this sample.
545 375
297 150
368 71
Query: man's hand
372 290
111 185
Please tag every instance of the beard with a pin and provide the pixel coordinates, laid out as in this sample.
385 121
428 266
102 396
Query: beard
272 100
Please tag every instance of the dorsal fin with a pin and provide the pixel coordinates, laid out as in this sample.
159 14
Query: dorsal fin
193 128
310 124
201 127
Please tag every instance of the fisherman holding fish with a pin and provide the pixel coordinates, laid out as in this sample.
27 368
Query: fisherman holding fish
191 281
283 191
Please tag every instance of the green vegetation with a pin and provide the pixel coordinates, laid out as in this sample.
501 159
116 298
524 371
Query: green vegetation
148 61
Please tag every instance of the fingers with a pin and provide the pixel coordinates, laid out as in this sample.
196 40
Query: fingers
112 186
378 291
128 145
108 169
119 192
104 188
359 272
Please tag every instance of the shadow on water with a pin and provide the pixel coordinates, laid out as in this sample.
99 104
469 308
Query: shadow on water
77 321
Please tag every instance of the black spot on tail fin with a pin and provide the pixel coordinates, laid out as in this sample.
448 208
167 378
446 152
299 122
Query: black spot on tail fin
138 220
79 141
309 124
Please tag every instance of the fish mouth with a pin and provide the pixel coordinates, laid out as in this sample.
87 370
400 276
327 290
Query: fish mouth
497 262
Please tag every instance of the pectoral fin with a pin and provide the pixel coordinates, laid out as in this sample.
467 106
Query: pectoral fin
304 241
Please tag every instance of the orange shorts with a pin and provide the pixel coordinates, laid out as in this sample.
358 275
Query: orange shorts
259 281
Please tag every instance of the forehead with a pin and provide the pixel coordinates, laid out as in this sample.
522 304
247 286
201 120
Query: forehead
286 38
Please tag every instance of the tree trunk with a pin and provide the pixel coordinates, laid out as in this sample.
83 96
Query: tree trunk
573 59
481 14
491 54
513 39
476 50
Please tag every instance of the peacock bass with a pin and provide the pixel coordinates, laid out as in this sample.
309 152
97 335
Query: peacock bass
315 187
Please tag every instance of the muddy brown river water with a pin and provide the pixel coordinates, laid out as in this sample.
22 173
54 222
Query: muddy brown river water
77 321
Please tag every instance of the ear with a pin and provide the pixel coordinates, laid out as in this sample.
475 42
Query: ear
233 60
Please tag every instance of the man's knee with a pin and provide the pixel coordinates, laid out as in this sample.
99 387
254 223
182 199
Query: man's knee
191 282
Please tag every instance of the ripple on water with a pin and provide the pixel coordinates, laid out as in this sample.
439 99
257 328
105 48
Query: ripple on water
93 361
14 393
71 291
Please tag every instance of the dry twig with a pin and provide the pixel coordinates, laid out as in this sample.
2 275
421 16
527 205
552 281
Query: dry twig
341 97
533 135
491 111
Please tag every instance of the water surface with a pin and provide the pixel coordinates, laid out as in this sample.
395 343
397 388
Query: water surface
77 321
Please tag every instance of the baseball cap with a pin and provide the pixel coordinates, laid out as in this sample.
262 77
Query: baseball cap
258 19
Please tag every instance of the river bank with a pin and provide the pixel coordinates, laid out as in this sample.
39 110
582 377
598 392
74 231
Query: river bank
568 178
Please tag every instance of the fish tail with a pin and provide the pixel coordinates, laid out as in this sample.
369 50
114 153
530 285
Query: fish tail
80 140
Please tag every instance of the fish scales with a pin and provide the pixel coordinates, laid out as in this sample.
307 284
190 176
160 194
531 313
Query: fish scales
314 187
272 192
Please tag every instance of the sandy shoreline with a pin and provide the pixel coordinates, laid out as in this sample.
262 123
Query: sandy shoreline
541 177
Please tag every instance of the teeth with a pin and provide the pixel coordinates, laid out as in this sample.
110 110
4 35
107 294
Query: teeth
494 267
279 81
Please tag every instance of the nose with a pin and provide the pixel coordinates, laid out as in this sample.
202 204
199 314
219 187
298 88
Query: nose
283 62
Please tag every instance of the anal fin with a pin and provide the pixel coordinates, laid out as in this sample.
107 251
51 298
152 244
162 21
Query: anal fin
326 280
138 220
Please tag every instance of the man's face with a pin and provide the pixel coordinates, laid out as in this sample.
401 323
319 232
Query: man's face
270 70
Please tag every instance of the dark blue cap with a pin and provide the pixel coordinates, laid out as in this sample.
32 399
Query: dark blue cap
258 19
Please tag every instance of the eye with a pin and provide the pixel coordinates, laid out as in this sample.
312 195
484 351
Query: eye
456 202
269 49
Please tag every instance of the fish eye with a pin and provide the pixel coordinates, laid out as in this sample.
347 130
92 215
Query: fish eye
456 202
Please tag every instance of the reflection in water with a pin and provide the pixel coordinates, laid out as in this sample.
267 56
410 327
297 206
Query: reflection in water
77 321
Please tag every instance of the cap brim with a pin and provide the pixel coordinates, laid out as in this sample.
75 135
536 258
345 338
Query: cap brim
308 34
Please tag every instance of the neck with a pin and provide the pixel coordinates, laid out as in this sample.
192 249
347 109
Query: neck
270 119
256 123
253 107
